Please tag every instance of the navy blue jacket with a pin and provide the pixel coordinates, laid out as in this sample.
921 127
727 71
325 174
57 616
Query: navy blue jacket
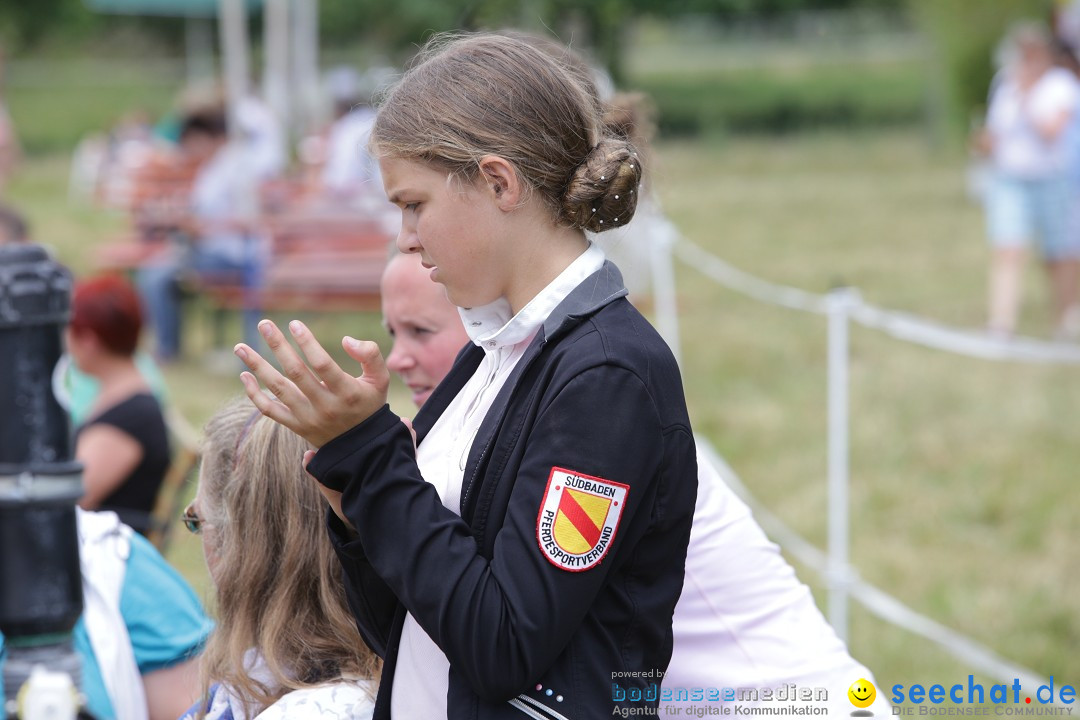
530 628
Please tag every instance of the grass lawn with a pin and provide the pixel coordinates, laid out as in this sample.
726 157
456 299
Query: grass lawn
960 468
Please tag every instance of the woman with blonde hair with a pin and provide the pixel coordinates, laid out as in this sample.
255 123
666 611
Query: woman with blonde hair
286 644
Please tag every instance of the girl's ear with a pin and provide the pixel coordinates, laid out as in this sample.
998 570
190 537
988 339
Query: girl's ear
500 180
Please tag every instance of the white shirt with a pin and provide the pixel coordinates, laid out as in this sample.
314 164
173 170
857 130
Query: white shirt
263 138
744 620
421 676
341 699
226 188
104 548
1013 116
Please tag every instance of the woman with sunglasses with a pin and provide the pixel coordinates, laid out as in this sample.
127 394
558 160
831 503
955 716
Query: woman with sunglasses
286 645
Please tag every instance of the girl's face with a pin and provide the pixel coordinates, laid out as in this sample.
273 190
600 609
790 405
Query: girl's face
456 228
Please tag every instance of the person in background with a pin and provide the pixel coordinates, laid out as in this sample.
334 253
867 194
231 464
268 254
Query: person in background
426 328
349 171
10 152
141 630
124 445
201 140
1066 23
744 619
224 241
1031 104
286 645
13 228
1068 35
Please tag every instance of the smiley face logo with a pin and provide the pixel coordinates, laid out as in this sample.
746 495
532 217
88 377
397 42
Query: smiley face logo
862 693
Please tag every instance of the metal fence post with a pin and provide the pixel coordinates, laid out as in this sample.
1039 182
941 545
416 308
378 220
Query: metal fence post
840 302
662 247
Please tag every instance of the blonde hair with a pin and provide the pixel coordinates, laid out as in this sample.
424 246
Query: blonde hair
467 96
279 584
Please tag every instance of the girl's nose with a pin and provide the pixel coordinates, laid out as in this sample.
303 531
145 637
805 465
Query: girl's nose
407 241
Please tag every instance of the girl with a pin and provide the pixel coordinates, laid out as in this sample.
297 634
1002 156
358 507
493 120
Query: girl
525 558
285 645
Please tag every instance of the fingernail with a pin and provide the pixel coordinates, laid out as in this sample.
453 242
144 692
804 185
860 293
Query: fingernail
240 352
353 342
296 327
265 328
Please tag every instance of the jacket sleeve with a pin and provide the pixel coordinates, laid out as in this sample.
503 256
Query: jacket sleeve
371 601
503 622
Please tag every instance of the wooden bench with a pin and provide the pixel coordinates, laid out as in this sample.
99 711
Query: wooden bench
155 197
316 262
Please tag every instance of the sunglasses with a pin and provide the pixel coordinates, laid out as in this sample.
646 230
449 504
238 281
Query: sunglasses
191 520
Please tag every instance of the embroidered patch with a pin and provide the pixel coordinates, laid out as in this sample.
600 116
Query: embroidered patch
578 518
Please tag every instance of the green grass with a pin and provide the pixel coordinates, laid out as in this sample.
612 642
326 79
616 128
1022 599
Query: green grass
54 104
962 470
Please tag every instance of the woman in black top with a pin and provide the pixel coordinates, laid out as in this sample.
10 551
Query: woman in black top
124 445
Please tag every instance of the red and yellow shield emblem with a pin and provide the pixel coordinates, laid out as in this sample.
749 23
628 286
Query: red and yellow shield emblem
578 518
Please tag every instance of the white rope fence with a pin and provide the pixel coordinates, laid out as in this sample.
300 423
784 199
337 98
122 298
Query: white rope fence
745 283
901 326
841 307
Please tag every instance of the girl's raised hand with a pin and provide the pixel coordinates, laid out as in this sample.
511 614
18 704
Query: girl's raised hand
316 399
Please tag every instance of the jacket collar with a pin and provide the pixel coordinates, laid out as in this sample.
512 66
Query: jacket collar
597 290
495 325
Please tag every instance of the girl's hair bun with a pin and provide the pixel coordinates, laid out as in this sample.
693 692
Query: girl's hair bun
603 189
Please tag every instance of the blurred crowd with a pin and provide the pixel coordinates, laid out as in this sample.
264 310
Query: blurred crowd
207 185
135 162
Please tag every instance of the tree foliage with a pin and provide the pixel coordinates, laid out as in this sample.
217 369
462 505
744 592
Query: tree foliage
395 28
598 26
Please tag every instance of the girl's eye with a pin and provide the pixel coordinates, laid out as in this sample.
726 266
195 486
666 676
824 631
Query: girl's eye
411 206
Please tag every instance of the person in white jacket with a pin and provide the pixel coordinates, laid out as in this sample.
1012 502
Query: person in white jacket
744 620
